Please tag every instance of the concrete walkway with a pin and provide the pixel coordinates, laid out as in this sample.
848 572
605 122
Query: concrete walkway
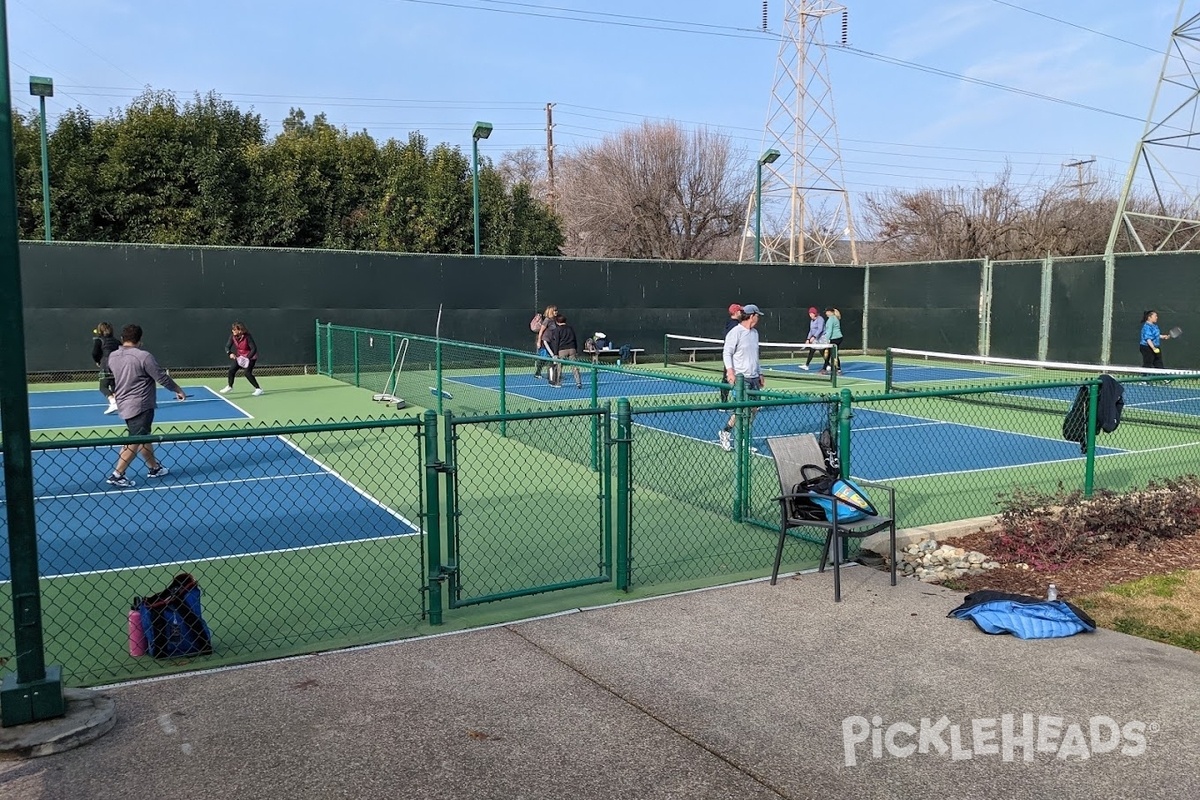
748 691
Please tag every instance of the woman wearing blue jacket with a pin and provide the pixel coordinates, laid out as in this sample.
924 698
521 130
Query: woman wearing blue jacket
1151 341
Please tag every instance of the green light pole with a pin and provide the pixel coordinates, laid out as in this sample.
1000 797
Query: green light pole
769 157
41 88
35 691
482 130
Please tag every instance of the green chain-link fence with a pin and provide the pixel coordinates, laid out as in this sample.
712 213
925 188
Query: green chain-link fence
300 537
306 537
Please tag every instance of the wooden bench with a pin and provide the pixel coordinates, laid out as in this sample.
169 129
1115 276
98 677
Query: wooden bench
615 353
709 348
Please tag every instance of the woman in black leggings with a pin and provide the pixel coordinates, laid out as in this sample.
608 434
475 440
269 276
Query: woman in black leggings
243 353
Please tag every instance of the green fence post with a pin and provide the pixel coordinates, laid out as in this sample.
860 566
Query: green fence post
329 348
844 416
624 443
888 365
35 692
595 420
606 509
433 526
503 396
437 349
357 367
739 444
1089 468
318 346
451 515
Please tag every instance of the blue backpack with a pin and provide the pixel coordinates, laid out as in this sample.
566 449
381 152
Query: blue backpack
173 621
852 502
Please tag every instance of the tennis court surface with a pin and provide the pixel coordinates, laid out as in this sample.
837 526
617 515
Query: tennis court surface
280 497
65 409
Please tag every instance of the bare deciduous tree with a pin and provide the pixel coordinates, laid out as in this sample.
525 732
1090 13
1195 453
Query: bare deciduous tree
657 191
527 165
996 220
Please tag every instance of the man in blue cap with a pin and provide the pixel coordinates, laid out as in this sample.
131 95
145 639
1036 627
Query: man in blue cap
741 358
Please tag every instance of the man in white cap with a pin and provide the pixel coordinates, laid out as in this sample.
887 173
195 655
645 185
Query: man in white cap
741 358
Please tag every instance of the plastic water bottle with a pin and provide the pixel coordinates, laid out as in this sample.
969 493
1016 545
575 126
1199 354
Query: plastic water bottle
1052 592
137 636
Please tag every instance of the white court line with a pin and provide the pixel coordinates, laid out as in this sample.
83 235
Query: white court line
1080 457
333 473
949 422
168 486
103 405
113 421
231 557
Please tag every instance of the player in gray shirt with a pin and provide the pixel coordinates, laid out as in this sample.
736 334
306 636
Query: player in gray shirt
741 358
135 372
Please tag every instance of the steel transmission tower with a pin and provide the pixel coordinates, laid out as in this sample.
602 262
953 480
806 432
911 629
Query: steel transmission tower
805 206
1159 207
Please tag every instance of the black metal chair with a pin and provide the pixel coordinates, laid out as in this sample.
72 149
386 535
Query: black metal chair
792 454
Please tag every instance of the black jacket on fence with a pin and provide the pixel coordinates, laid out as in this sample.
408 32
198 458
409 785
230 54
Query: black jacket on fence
1109 405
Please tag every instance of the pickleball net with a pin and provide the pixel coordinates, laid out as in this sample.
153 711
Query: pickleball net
782 360
1156 397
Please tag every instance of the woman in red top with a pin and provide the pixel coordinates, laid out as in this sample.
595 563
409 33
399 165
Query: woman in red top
243 352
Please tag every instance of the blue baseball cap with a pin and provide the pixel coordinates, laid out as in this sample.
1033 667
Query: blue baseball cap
752 309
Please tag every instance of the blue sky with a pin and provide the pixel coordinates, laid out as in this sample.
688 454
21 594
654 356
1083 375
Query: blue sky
392 66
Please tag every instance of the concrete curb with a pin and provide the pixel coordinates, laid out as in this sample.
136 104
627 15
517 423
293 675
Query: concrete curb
89 716
878 542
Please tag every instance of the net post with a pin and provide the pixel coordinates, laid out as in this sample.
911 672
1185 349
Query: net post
624 442
1089 468
888 366
433 525
666 351
503 396
835 363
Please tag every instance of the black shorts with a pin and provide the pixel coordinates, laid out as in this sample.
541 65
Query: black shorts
141 424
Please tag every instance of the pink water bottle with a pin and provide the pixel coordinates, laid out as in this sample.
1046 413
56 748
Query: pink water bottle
137 636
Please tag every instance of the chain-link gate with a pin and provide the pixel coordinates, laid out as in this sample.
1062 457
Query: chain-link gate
527 504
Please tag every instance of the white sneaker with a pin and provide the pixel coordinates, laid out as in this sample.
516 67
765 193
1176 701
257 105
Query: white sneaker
726 441
157 473
112 408
227 390
257 391
804 367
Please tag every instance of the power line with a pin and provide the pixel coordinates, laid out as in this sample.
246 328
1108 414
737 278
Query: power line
1079 27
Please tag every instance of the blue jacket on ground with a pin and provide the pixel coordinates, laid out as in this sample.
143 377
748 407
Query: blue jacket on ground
1022 616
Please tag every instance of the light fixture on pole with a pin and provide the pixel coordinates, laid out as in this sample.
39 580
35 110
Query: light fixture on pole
42 88
482 130
769 157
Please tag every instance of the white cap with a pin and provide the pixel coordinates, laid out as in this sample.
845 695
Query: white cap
599 335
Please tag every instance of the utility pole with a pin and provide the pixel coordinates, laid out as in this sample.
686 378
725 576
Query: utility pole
553 197
1079 165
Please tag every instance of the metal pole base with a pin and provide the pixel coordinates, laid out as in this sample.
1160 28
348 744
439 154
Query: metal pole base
22 703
